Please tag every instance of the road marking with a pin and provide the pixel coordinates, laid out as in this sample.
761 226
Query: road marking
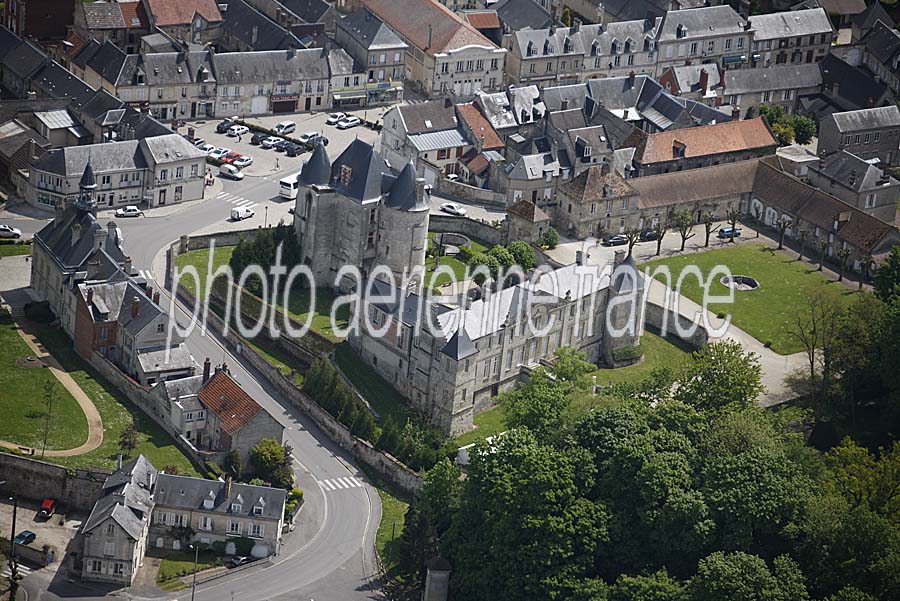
340 483
243 202
23 570
146 274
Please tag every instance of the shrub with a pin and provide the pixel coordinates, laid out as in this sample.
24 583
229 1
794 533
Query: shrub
522 253
11 241
628 353
213 469
550 238
243 545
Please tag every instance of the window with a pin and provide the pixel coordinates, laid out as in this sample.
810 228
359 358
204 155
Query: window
867 138
846 140
494 63
397 57
711 47
382 58
205 523
235 508
787 94
445 67
118 569
257 510
549 66
163 174
479 65
110 529
630 60
531 67
856 139
443 154
160 328
193 170
624 203
870 201
109 548
767 96
256 530
179 172
728 44
234 527
740 43
876 136
459 65
96 565
159 93
617 60
178 192
105 180
693 47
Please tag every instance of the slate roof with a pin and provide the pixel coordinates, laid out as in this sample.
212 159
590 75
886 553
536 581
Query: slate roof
700 22
459 346
415 18
339 62
628 10
316 170
433 115
788 24
528 211
688 76
857 88
874 13
479 126
695 185
57 238
23 59
165 359
223 396
148 311
14 135
777 77
883 116
106 299
851 171
271 65
843 7
126 498
882 42
169 148
369 31
180 12
311 11
183 492
521 14
403 194
56 82
107 60
242 20
733 136
367 171
106 157
102 15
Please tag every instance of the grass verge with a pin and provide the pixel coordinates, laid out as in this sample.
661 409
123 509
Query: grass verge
386 401
173 567
487 423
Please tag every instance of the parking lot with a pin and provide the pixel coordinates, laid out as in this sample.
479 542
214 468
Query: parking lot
57 532
268 162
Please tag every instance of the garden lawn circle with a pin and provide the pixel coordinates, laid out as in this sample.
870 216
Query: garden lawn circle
741 283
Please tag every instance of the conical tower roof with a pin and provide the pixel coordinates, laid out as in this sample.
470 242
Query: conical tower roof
87 178
404 194
317 169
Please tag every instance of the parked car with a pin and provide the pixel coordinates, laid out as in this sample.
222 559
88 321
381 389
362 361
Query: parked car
453 208
232 157
280 145
207 148
129 211
318 138
285 127
239 560
452 177
25 537
48 508
218 153
240 213
293 150
245 161
307 137
8 231
258 137
615 240
222 127
270 141
725 232
648 235
231 172
348 122
198 142
334 118
237 130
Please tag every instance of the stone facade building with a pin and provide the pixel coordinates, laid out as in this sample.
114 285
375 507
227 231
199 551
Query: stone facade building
714 34
793 37
377 49
859 183
868 133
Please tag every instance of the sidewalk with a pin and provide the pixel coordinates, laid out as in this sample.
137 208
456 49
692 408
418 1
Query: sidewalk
173 209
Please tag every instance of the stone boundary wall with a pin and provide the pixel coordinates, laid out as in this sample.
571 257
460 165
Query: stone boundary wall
221 239
467 193
388 467
75 489
655 314
479 230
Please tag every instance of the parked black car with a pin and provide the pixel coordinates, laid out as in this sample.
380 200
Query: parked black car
293 150
222 127
615 240
318 138
257 138
648 235
281 146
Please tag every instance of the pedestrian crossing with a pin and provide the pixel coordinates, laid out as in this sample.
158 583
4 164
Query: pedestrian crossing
238 201
146 274
339 483
23 570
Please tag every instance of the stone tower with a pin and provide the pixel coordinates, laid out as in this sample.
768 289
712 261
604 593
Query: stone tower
87 191
624 307
403 224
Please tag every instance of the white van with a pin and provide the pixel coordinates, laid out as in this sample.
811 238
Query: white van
230 171
285 127
239 213
287 187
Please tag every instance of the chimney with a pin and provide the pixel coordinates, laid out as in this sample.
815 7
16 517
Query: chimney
346 174
99 235
631 79
604 167
254 35
579 257
564 104
227 487
553 30
678 149
735 112
59 208
835 88
127 266
90 296
704 81
206 365
135 306
149 291
576 25
619 258
420 189
428 42
156 297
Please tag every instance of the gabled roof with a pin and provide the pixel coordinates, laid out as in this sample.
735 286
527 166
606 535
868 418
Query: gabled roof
856 88
415 20
882 42
848 170
311 11
369 31
107 157
271 65
255 29
459 346
223 396
522 14
366 168
482 19
882 116
148 311
700 22
23 59
593 185
777 77
794 23
843 7
732 136
528 211
169 148
694 185
70 252
165 13
874 13
102 15
479 126
183 492
126 498
133 15
433 115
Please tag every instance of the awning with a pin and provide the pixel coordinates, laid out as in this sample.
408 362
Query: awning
348 95
734 59
756 56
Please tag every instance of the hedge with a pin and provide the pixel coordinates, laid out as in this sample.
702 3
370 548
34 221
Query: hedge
628 353
4 241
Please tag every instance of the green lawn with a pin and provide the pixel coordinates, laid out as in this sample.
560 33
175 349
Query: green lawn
22 401
174 566
199 259
659 351
767 312
117 412
458 267
487 423
12 250
393 516
381 396
276 357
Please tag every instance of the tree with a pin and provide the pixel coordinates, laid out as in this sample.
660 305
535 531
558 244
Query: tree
633 235
804 234
804 129
784 133
739 576
756 212
783 225
522 253
887 278
128 440
822 245
843 256
272 462
684 223
550 238
867 267
865 480
654 587
488 261
815 327
709 226
504 258
233 464
718 375
661 227
541 408
570 364
732 215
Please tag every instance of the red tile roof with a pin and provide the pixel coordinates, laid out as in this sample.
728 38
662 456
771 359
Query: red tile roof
528 211
133 15
414 19
77 43
731 136
225 397
180 12
486 19
480 126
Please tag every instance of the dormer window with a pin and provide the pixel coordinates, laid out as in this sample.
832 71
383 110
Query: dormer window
548 47
530 50
236 508
680 31
587 151
629 46
567 45
595 48
257 510
209 501
616 47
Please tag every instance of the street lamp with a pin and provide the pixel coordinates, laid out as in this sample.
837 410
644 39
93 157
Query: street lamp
267 216
196 549
13 565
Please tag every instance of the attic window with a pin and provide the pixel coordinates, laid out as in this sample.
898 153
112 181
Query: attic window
209 501
235 508
346 174
257 510
428 123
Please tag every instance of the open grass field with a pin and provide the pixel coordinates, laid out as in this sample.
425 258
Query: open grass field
767 312
173 567
117 412
199 259
487 423
22 399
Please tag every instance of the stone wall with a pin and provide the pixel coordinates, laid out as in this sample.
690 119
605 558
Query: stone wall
655 315
479 230
467 193
33 479
221 239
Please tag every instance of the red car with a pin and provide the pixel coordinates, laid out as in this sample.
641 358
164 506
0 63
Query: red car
48 506
231 157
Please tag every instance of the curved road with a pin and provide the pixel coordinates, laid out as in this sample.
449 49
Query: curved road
330 555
